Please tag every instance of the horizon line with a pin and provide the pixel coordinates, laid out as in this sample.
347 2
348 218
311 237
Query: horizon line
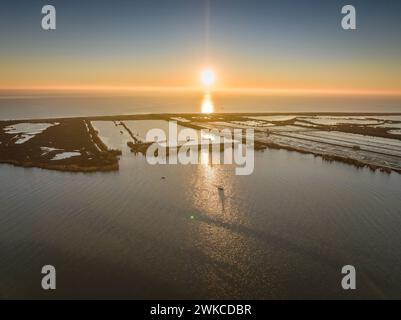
232 90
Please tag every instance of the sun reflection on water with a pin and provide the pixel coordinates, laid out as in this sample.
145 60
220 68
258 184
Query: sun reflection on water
207 104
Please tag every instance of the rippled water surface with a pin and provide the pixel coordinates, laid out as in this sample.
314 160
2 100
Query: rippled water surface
51 105
283 232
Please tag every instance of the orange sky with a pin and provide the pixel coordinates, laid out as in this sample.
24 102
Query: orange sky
164 48
63 73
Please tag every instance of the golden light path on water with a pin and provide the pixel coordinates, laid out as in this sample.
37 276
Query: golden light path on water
207 104
214 196
207 78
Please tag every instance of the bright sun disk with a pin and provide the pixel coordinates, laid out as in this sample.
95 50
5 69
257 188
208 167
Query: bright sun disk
208 77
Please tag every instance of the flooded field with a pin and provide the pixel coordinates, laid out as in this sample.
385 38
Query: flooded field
23 132
359 140
112 133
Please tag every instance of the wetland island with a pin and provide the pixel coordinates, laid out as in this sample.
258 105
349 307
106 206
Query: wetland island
89 144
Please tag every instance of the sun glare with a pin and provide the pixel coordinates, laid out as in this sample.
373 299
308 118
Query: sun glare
208 77
207 104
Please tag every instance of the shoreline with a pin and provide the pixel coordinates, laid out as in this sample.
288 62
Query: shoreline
163 116
62 168
331 158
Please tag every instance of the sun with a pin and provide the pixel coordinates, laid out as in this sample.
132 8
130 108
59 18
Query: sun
208 77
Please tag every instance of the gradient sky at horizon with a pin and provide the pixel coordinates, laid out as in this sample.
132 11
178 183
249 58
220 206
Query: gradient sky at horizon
251 44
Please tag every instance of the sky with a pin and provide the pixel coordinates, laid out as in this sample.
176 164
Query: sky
284 45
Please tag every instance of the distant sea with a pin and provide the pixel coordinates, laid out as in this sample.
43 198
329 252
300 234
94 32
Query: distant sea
26 105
